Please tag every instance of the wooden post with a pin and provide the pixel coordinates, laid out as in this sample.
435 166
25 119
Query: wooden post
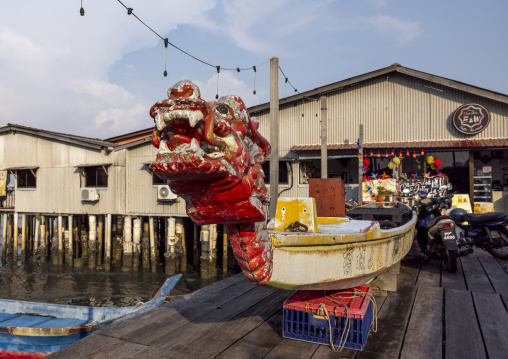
107 243
54 240
324 144
10 219
69 246
84 242
118 239
60 240
471 179
127 244
170 254
75 235
274 134
205 248
4 235
136 240
23 236
224 248
195 246
180 233
43 239
153 260
16 235
100 239
36 236
145 245
92 242
360 173
157 229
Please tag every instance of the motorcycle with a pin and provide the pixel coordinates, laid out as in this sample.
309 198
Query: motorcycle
435 233
488 231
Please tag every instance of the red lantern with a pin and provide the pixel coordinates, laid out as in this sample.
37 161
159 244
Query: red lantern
437 163
386 153
400 153
422 153
407 153
393 152
371 154
414 154
366 163
378 154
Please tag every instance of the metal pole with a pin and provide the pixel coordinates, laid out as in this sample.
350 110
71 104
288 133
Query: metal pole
360 173
324 150
274 134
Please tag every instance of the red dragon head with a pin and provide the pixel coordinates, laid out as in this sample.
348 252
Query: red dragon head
211 154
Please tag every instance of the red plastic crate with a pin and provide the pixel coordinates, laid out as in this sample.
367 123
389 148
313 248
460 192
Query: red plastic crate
302 322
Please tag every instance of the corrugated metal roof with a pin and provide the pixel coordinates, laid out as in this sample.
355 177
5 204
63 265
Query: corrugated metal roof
94 164
462 143
84 141
21 168
320 91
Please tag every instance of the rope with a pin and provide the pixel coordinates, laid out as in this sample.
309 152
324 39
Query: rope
297 227
347 325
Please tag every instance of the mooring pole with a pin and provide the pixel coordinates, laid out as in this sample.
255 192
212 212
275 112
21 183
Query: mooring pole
324 144
360 173
274 134
107 243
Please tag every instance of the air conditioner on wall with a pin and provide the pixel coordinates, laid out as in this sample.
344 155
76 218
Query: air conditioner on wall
165 194
89 194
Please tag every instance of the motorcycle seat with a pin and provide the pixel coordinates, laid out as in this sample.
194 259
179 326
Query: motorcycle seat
484 217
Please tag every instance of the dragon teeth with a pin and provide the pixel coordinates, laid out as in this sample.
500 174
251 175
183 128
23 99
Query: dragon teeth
163 147
159 122
194 145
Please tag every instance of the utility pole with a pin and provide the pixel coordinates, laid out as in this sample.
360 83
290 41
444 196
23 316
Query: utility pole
324 150
274 134
360 173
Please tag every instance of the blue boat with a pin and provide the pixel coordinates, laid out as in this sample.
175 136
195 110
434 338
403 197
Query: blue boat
34 330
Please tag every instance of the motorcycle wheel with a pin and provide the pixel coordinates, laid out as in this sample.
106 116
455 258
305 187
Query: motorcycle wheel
499 245
450 260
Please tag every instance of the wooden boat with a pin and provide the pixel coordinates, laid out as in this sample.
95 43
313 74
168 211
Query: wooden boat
34 330
335 252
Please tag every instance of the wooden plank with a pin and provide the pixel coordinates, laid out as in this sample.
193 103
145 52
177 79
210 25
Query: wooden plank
496 273
140 329
430 273
493 320
476 280
453 280
462 334
290 349
259 342
392 319
88 347
174 340
424 333
236 328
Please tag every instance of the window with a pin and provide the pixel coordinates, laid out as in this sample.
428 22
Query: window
283 172
95 176
343 167
26 178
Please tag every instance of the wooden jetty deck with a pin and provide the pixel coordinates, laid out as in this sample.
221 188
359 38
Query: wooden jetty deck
433 314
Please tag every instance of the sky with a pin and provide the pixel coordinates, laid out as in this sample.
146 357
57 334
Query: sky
97 75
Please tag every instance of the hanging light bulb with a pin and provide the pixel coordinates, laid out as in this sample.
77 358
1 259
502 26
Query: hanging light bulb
407 153
386 153
400 153
378 154
371 154
422 153
393 152
414 154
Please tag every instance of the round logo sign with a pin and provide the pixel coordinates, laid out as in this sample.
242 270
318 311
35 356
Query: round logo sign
471 118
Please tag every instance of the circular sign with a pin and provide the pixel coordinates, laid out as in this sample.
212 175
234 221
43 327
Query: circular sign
471 118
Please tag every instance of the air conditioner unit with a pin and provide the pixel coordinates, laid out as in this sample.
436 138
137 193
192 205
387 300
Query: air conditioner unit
165 194
89 194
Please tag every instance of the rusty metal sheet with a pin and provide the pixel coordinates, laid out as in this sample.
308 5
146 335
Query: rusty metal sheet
330 195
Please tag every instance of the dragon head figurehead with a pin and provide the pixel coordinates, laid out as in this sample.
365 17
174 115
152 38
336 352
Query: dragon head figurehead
211 154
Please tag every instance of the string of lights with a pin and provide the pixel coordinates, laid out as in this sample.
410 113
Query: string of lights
130 11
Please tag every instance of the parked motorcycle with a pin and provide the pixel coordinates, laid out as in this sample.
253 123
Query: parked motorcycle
435 232
488 231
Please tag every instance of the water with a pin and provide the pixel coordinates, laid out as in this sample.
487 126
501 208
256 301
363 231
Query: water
61 284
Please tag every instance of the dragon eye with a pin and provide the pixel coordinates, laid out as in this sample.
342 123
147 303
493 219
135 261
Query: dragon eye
222 109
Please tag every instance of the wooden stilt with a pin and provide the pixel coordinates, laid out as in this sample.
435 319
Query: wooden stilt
4 235
43 239
153 260
100 239
29 236
107 243
136 240
70 241
180 233
127 244
16 235
92 242
224 249
117 245
205 248
10 245
36 236
54 240
145 245
84 241
23 237
195 246
60 240
170 254
157 230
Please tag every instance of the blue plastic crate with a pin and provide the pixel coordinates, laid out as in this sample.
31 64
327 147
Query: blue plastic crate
305 324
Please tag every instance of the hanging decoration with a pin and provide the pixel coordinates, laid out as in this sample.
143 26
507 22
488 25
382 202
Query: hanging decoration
371 154
422 153
407 153
430 160
386 153
378 154
391 165
366 162
414 154
400 153
437 163
393 152
396 160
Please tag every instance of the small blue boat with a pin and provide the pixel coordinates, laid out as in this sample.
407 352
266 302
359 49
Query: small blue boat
34 330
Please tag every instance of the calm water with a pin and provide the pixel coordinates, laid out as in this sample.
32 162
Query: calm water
47 282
